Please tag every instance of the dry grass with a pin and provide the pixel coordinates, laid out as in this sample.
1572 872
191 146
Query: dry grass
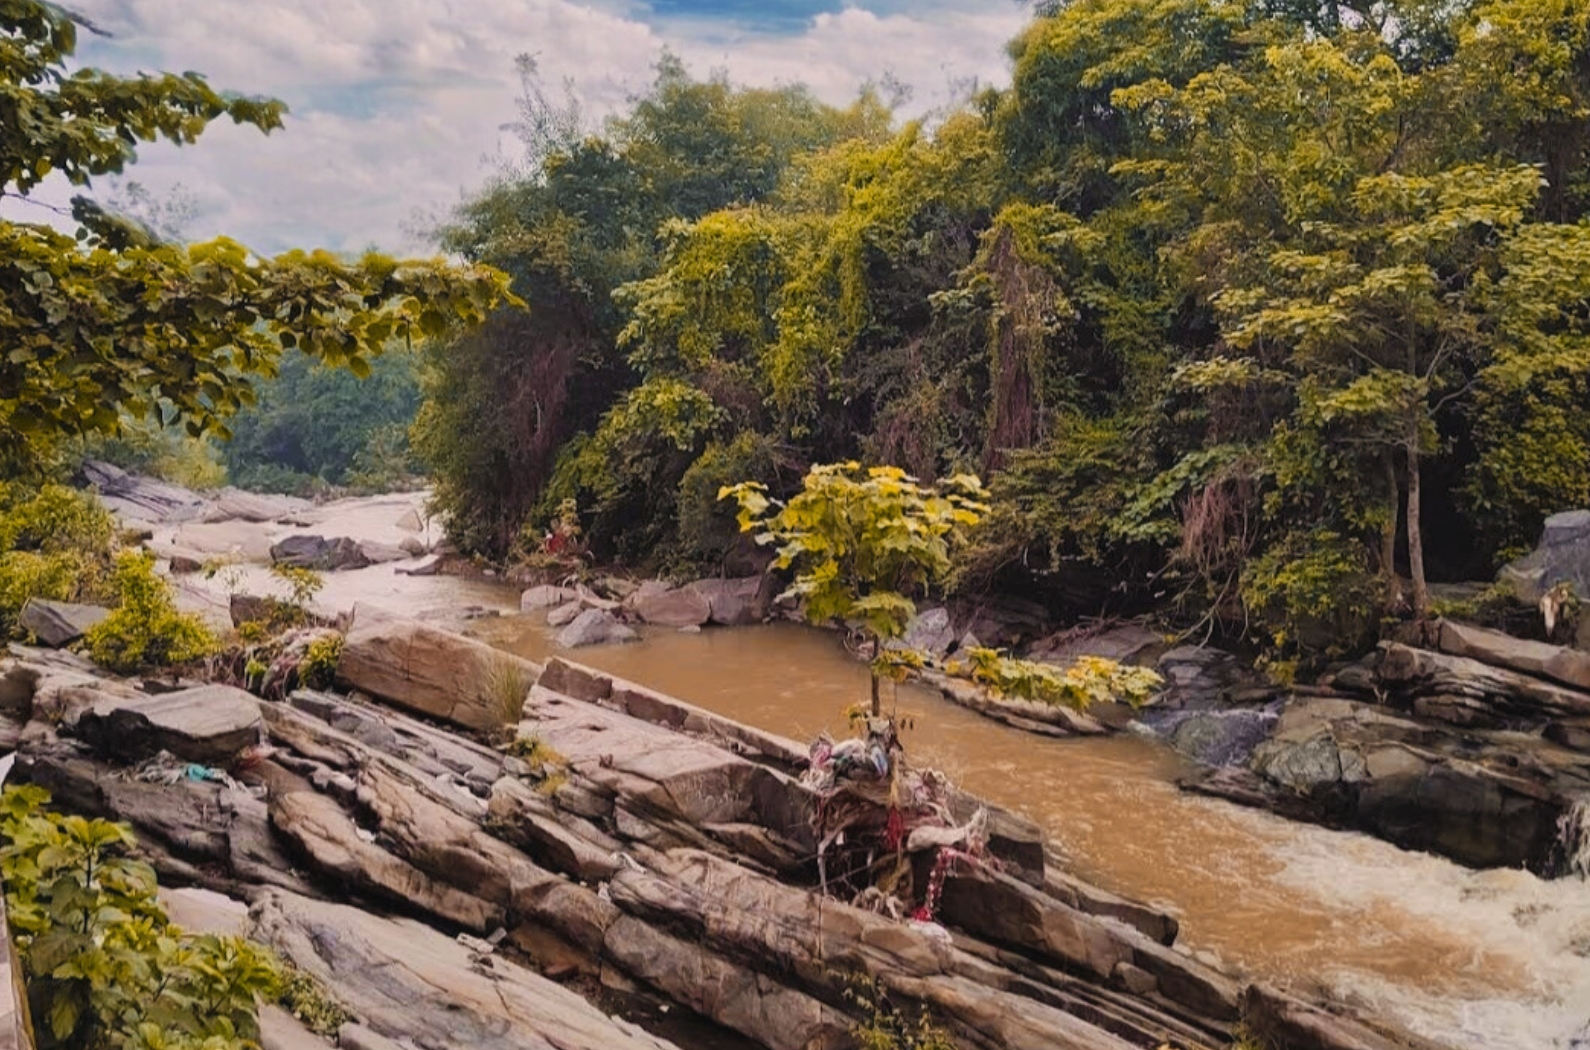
505 685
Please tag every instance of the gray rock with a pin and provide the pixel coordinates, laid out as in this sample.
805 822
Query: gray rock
1128 643
413 546
675 607
1302 765
410 521
182 565
317 552
930 631
431 671
412 986
380 553
209 724
1568 666
430 567
595 627
249 608
231 504
1222 738
1563 555
544 596
564 614
144 499
60 623
733 603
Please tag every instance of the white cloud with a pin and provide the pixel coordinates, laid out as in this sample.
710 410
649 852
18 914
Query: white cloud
396 103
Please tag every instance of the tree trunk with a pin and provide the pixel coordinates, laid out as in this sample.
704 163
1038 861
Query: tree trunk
1388 534
1421 591
877 703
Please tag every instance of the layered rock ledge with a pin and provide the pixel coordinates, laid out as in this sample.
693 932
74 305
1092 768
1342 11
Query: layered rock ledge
629 842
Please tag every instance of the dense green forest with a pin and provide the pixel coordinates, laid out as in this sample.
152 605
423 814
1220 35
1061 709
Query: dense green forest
1246 308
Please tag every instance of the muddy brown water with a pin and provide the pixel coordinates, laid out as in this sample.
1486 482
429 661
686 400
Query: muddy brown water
1492 960
1497 960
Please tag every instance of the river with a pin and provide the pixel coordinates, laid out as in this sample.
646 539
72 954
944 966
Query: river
1493 960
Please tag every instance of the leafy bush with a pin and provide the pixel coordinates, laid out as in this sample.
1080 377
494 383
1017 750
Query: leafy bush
55 543
886 1026
706 526
318 668
861 541
145 628
302 586
1089 680
1313 593
104 967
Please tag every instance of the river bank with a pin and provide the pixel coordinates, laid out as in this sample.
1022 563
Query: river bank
1492 959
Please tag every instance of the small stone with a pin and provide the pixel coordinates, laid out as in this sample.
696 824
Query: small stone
59 623
564 614
544 596
595 627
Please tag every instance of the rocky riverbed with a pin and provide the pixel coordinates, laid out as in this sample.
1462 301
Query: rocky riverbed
1474 960
432 882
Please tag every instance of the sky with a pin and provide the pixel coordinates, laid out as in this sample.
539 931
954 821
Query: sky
398 107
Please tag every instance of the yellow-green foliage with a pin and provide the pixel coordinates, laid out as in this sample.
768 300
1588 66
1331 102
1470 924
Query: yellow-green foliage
55 543
886 1026
145 628
862 540
318 668
1089 680
1312 593
103 965
302 586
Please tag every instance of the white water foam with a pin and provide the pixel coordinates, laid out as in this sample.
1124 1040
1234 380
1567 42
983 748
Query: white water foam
1573 839
1528 987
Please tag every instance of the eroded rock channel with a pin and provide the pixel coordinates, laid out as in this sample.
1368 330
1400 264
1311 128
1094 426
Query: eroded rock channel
668 852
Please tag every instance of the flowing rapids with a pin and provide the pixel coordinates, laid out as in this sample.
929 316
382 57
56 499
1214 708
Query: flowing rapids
1493 960
1498 960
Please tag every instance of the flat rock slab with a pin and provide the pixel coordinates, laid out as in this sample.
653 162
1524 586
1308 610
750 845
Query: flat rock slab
434 672
676 607
209 725
60 623
415 987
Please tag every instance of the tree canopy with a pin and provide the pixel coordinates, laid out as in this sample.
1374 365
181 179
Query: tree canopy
111 320
1229 300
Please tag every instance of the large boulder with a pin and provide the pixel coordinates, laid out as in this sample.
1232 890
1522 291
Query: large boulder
1482 800
380 553
1222 738
142 499
594 627
231 504
930 631
434 672
674 607
209 724
1571 667
565 614
733 603
319 553
59 623
1562 556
